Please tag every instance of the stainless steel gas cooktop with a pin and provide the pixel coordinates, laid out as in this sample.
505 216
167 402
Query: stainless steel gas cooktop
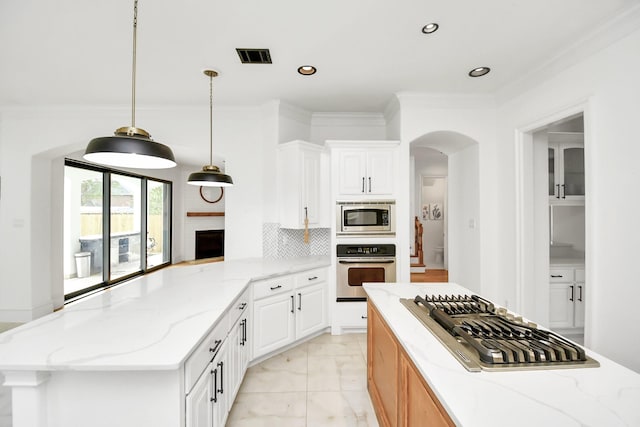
482 337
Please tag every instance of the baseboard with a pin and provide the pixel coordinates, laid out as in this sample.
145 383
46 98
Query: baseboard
25 315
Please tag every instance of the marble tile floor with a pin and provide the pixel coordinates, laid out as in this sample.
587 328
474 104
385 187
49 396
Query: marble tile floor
322 382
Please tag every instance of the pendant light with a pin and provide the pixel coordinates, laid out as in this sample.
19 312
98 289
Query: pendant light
210 176
130 147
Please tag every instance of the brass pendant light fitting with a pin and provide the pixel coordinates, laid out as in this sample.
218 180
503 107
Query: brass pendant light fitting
210 176
130 147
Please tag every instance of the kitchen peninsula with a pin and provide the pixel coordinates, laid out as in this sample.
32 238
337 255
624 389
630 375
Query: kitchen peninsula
449 394
128 356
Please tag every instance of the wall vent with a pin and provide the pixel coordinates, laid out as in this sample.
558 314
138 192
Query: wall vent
254 56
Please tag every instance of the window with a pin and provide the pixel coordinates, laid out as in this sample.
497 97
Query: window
133 212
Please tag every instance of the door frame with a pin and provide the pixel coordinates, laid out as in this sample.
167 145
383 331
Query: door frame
532 287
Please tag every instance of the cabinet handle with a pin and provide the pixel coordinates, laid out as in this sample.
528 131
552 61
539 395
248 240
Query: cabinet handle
214 399
292 303
312 278
571 298
564 192
215 347
242 306
273 288
221 389
555 276
557 191
364 317
306 212
363 184
580 293
244 331
369 184
299 301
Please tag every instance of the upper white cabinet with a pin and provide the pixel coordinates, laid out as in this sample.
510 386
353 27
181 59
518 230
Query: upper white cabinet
301 190
566 167
364 168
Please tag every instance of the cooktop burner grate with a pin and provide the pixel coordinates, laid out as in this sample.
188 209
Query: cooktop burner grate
483 337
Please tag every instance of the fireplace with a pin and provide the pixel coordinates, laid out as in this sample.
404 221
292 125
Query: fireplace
209 243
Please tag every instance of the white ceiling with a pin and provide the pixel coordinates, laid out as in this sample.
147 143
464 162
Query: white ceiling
79 51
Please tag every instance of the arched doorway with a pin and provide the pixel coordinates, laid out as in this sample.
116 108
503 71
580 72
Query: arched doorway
445 204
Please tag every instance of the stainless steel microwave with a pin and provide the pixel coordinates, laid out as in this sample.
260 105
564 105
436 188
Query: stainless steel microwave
366 217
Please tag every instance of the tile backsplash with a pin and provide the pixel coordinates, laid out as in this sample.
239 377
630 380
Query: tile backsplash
288 243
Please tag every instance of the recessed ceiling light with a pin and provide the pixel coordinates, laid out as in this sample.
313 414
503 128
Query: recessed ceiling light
479 72
307 70
430 28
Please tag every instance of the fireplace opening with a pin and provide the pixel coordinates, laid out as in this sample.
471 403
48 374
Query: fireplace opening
209 243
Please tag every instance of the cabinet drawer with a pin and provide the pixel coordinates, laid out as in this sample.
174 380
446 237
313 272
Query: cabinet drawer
311 277
580 275
204 353
351 314
265 288
561 275
239 307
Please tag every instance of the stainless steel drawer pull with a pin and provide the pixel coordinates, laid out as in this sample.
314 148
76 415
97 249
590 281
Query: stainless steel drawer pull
242 306
364 317
273 288
299 301
312 278
555 276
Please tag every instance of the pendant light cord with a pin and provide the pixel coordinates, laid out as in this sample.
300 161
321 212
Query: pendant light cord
211 119
133 73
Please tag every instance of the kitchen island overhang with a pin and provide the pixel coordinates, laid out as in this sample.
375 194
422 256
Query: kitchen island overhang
606 395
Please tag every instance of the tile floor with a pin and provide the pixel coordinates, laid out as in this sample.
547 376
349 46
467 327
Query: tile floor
322 382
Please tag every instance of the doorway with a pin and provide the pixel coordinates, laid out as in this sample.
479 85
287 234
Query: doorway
551 231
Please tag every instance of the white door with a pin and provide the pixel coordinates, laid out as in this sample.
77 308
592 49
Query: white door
311 309
273 323
380 172
311 187
198 404
352 172
560 305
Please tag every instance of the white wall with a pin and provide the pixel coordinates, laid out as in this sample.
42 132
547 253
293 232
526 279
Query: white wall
31 208
472 118
347 126
607 83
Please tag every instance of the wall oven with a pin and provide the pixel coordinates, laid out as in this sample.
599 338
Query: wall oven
358 264
365 217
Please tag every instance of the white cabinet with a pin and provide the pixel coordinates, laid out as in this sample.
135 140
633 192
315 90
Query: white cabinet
365 168
207 404
567 295
349 315
301 185
215 369
566 167
288 308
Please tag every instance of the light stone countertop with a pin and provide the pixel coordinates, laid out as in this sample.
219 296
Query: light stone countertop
605 396
151 322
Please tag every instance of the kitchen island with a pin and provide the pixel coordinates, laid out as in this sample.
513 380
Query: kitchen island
128 355
604 396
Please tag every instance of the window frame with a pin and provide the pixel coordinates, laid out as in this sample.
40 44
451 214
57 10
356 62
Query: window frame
107 173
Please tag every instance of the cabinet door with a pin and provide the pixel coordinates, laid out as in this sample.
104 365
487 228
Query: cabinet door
380 172
352 171
561 296
221 400
382 368
572 171
311 309
273 323
199 405
311 186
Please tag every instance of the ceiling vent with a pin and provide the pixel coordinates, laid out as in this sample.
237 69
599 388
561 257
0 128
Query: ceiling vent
254 56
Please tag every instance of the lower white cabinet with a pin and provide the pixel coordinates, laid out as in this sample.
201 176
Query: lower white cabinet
567 293
224 355
288 308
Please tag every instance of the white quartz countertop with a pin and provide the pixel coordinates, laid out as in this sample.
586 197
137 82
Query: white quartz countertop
605 396
152 322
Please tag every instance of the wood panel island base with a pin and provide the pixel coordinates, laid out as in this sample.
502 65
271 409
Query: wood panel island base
399 394
415 381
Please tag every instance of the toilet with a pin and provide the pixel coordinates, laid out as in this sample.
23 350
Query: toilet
438 251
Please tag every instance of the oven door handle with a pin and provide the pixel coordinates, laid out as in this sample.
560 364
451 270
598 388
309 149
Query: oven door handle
368 261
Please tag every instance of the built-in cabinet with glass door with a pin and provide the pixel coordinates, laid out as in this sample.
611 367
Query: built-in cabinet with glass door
566 167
